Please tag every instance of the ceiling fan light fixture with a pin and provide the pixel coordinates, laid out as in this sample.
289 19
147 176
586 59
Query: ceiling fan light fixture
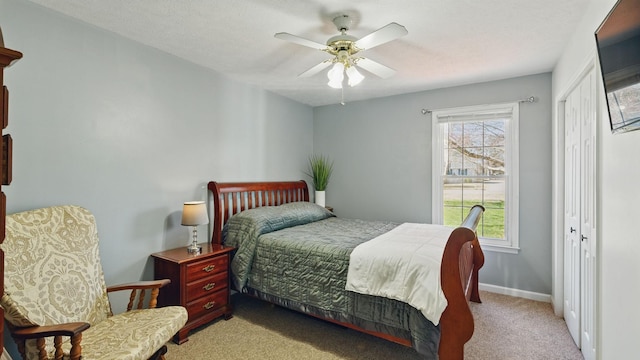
355 77
344 47
336 75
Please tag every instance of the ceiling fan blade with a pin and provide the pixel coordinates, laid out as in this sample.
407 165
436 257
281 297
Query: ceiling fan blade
375 68
316 69
383 35
300 41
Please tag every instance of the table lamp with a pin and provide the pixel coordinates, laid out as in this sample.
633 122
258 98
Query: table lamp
194 213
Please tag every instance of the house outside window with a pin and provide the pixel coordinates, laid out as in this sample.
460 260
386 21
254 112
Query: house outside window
475 161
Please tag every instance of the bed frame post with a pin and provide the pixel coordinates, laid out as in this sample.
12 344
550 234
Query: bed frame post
218 213
478 262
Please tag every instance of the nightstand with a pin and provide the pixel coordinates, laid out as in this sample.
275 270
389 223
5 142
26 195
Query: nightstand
199 282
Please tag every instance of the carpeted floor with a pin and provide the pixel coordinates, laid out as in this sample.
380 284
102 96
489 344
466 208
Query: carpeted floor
515 328
506 328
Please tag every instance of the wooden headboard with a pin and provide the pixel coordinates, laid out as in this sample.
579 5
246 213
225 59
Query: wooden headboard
232 198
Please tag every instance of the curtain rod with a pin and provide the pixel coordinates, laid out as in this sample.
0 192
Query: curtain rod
530 99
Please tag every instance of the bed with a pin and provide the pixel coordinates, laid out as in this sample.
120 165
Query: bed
295 254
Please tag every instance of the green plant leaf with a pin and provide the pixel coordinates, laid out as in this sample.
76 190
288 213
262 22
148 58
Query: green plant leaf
320 168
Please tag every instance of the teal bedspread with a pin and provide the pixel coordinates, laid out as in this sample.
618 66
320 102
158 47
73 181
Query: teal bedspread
297 255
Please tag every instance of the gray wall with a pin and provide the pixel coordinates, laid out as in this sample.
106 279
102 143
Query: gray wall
381 150
130 133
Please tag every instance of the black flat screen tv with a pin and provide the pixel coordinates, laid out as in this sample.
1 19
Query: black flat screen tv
618 43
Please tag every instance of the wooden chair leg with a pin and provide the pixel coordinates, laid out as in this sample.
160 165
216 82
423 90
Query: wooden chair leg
42 352
76 348
159 355
57 343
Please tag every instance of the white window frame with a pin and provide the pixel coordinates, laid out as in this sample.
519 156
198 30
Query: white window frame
470 113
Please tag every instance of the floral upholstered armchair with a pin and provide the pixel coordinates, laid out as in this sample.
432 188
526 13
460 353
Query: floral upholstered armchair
55 298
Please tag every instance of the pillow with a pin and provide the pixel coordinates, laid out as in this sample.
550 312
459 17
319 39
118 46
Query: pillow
273 218
293 214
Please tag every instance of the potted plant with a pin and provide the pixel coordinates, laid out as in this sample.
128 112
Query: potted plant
321 169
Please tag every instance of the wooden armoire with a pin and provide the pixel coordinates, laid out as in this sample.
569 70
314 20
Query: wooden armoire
7 57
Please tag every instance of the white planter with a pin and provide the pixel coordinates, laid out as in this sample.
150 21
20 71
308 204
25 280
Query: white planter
320 197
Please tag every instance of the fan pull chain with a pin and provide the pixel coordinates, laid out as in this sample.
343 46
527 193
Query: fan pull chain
342 91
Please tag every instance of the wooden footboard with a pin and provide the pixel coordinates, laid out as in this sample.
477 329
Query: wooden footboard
461 261
462 257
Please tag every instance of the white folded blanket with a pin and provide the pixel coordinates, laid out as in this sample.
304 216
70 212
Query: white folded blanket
403 264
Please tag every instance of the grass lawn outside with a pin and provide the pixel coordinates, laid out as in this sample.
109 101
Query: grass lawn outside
491 224
461 194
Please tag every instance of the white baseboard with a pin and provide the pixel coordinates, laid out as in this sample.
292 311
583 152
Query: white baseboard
515 292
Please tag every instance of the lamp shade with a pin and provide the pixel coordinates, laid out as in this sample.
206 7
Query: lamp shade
336 75
194 213
354 76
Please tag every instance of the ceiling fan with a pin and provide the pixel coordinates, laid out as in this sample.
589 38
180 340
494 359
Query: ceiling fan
345 50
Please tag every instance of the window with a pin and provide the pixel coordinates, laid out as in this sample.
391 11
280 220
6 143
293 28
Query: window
475 161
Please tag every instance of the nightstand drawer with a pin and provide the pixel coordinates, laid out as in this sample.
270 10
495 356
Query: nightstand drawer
209 303
206 267
206 286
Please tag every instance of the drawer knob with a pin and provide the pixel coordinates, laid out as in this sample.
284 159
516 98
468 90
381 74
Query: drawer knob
209 286
209 305
208 268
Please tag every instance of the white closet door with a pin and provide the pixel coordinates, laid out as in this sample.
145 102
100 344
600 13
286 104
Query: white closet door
572 216
587 215
579 215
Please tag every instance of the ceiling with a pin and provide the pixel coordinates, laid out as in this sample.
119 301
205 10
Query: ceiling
450 42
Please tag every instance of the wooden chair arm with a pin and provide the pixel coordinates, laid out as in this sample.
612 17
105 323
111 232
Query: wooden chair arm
73 330
139 285
138 290
34 332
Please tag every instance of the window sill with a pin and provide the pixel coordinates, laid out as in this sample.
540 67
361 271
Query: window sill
499 249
